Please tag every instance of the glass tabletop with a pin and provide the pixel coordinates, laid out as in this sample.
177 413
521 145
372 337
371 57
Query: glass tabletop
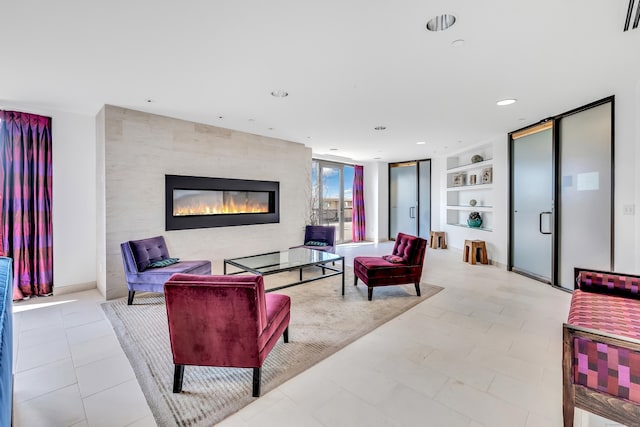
283 260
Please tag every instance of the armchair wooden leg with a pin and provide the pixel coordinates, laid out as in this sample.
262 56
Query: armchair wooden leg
370 293
418 288
130 299
178 374
568 390
285 335
355 280
257 373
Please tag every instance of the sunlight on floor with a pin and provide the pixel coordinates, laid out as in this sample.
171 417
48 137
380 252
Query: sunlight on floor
18 308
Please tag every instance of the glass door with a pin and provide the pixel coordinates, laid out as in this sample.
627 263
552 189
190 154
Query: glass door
332 199
410 198
586 192
532 202
403 201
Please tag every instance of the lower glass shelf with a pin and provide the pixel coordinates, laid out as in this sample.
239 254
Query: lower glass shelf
472 228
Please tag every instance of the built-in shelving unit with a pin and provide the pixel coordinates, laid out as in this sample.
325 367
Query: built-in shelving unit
470 178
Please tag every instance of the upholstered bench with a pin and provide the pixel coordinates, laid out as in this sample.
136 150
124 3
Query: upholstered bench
601 347
147 265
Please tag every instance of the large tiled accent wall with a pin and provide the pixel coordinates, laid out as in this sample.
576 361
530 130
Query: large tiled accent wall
135 152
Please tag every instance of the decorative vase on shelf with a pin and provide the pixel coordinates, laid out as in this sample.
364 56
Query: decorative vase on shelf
474 220
472 202
476 158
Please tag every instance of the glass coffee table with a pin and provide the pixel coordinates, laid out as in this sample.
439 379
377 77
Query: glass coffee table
289 260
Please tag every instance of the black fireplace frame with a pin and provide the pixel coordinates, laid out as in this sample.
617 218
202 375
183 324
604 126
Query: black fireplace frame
180 182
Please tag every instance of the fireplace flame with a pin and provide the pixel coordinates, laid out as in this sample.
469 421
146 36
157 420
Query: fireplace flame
222 206
217 209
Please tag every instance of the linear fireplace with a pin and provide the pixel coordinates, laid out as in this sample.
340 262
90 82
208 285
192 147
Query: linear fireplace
201 202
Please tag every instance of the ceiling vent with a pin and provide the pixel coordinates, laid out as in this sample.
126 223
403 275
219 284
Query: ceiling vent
636 19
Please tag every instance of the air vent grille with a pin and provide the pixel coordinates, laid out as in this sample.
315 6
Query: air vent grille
630 13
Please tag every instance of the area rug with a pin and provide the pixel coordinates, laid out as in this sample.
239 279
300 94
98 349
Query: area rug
322 322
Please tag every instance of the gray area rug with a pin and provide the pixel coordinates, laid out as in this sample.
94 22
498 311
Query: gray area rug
322 322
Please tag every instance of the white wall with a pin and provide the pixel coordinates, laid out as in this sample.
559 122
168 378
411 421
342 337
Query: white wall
376 201
140 148
627 138
73 206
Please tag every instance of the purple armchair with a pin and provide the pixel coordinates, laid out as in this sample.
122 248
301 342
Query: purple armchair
138 256
320 238
225 321
403 266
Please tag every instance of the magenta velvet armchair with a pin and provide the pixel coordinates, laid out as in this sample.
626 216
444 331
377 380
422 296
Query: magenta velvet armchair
404 265
225 321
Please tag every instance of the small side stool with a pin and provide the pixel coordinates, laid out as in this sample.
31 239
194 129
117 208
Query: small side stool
438 239
476 250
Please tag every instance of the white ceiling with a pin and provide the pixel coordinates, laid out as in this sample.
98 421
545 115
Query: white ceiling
348 65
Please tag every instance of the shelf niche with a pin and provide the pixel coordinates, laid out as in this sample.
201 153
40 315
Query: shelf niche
469 178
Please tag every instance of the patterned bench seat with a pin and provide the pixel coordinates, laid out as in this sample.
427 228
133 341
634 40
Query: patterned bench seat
601 348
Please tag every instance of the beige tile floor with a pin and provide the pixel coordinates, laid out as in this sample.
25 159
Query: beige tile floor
483 352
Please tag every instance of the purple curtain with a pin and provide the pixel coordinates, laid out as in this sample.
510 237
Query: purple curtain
25 201
358 225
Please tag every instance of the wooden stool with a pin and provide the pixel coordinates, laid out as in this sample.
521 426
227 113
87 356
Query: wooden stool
477 249
438 239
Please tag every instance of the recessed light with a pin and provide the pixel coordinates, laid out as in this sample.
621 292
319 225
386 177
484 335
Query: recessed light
220 117
280 93
333 149
420 143
441 22
457 43
148 100
377 158
506 102
380 128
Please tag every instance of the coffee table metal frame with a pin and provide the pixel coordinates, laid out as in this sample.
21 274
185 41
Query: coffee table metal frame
265 264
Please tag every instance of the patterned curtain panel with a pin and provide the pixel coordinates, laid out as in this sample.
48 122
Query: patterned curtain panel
25 201
358 225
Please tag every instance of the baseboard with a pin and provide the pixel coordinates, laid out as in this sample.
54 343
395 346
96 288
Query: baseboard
498 264
78 287
491 261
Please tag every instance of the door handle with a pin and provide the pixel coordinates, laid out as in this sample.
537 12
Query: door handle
540 223
412 212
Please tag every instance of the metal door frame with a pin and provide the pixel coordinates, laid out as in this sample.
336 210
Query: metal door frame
340 238
417 164
554 193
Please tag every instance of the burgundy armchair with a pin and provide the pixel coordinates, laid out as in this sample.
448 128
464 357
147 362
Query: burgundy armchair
225 321
403 266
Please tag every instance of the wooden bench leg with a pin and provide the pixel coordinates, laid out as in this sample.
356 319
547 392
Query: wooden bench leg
568 390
